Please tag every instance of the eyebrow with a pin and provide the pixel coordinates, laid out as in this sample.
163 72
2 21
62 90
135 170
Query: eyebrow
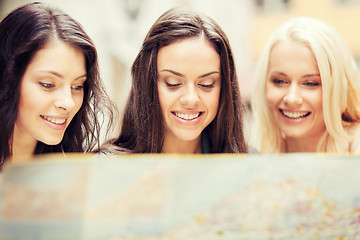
173 72
61 76
182 75
307 75
312 75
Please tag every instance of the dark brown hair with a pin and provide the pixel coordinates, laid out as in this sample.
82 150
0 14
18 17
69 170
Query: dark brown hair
143 127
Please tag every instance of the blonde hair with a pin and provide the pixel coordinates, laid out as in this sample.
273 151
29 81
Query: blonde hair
340 83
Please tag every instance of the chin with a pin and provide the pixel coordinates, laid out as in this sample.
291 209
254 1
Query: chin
295 135
189 138
51 141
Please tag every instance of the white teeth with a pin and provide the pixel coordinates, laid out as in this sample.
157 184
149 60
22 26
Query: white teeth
187 116
54 120
294 114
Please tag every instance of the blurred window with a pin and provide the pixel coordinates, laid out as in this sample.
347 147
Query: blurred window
346 1
272 5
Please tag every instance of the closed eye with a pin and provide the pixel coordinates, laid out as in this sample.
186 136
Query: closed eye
171 85
206 85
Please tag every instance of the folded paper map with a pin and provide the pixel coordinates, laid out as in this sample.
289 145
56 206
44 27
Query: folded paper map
181 197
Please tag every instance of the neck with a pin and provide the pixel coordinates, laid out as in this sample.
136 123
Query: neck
181 146
300 145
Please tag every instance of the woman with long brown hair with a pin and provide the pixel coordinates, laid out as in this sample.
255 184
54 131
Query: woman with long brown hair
51 93
185 96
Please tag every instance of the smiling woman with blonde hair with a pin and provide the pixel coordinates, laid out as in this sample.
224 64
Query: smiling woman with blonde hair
307 95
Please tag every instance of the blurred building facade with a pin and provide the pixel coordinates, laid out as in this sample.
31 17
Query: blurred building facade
343 15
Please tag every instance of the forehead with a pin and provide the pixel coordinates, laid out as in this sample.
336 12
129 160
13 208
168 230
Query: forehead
57 57
187 43
188 50
292 56
287 47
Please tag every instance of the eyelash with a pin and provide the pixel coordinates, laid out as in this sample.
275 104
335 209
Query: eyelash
206 85
277 81
50 85
47 85
312 84
172 85
78 88
179 84
307 84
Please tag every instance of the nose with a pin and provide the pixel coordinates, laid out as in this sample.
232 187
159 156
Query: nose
189 98
293 95
64 99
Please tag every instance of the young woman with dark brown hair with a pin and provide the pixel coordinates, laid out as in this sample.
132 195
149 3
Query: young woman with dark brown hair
185 96
51 94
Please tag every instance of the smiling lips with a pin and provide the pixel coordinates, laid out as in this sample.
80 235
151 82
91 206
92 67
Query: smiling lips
187 117
54 120
295 115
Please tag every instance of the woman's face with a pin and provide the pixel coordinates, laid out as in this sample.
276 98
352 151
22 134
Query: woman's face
189 83
294 91
51 93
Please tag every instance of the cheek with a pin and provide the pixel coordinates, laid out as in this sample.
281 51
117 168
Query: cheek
23 110
28 102
78 100
163 99
213 102
272 96
160 94
316 99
